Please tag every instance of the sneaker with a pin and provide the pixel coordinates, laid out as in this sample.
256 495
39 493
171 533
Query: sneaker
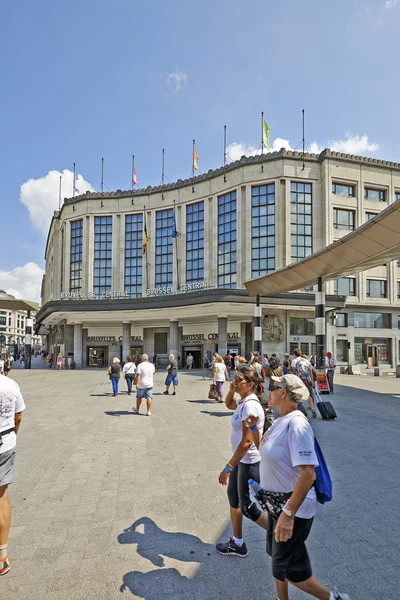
135 410
166 393
148 413
4 566
338 596
232 549
314 414
174 393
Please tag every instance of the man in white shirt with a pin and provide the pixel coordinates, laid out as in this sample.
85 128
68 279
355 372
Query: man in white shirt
330 367
11 406
144 384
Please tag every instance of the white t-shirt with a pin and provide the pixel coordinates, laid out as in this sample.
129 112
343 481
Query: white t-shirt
221 370
289 442
249 406
146 371
331 363
11 402
130 368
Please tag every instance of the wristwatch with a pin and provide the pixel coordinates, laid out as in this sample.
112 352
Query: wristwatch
288 512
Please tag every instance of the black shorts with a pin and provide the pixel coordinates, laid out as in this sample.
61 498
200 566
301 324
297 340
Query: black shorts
290 559
238 489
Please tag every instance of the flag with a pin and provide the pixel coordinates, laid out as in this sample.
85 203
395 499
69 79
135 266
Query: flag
134 178
145 238
266 130
174 230
195 159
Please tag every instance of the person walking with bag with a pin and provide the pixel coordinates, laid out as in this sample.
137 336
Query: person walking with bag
129 371
220 374
287 476
244 463
172 376
114 372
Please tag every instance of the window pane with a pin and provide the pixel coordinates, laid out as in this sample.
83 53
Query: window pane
301 213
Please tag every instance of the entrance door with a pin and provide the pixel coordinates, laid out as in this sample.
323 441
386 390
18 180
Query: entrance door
97 357
197 356
372 356
136 354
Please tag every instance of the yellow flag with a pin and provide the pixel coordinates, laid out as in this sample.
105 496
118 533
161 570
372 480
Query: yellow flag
195 159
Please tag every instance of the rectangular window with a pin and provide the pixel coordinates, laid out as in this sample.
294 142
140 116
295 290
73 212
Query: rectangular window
341 320
372 320
345 286
262 229
300 326
102 266
375 195
370 215
3 320
195 242
343 219
376 288
300 220
396 196
343 190
227 240
75 269
398 290
133 255
164 251
62 261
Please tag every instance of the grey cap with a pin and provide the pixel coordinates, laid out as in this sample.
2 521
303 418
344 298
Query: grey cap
294 385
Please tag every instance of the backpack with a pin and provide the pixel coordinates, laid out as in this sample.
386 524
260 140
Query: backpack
303 368
227 361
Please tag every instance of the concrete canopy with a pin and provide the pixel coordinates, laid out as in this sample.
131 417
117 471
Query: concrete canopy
9 304
375 243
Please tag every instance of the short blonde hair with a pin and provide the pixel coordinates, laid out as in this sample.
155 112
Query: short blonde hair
116 360
219 359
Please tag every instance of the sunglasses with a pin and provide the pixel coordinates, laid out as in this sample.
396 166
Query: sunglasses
273 387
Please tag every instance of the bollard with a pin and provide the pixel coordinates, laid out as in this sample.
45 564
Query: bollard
398 371
376 372
342 370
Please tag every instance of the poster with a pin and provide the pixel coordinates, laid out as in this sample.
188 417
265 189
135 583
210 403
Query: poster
322 381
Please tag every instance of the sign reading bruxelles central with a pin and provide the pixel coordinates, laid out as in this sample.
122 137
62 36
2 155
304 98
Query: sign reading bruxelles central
92 296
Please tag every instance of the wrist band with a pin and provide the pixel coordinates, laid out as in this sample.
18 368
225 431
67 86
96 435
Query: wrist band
253 427
228 470
231 466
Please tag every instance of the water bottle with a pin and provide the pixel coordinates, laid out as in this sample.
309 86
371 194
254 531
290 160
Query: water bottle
255 488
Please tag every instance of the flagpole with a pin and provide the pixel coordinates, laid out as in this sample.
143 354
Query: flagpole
225 153
145 229
194 142
176 254
304 142
132 175
102 175
59 195
162 174
262 142
73 184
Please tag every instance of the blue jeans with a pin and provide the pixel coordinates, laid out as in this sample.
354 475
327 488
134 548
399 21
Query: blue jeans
114 383
129 380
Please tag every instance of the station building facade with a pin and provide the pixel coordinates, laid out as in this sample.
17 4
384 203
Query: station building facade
12 327
103 297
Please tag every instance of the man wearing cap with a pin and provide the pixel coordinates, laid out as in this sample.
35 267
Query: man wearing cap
330 367
11 406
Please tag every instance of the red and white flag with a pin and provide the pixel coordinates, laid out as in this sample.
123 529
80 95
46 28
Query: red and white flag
134 178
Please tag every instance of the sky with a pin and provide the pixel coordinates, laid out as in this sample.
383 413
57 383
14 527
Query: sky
113 78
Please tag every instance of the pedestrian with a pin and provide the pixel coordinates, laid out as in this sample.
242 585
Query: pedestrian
189 360
220 374
1 364
69 362
59 361
172 375
287 468
11 406
330 367
303 369
114 373
129 370
228 362
236 362
286 367
144 384
256 365
273 369
245 461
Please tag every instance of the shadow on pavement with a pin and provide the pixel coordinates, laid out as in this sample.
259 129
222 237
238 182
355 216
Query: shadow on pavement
121 413
153 543
217 414
202 401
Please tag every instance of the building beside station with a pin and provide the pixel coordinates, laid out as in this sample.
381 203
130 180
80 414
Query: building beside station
13 326
103 297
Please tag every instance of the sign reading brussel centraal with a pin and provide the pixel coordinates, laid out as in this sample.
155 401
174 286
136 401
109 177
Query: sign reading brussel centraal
92 296
186 287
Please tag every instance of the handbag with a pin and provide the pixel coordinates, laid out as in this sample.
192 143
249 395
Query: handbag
272 502
213 392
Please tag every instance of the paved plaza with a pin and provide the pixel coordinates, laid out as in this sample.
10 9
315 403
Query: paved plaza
108 504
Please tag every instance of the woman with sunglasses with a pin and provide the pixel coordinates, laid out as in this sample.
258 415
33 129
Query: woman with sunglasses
287 474
245 461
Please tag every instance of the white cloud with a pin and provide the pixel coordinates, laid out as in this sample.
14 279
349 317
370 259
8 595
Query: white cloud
314 148
354 144
23 282
40 196
391 4
236 150
176 80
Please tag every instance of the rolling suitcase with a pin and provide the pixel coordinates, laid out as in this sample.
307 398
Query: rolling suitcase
326 411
